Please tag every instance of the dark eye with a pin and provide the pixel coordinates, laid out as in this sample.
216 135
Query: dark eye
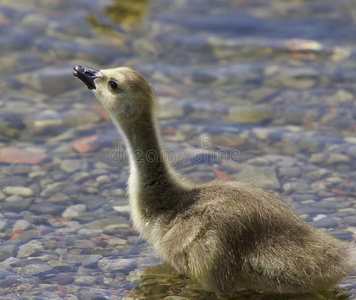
113 85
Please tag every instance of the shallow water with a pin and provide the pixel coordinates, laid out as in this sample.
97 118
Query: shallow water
253 90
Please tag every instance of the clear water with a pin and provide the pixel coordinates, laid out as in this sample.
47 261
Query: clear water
258 90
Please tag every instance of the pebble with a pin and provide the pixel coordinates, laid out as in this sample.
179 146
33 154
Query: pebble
351 151
15 203
3 224
12 155
289 171
7 251
249 114
20 169
117 265
116 242
351 220
36 269
70 165
36 174
295 187
85 281
92 201
29 248
103 179
325 223
87 144
18 191
85 259
337 158
45 207
52 189
104 222
74 211
261 176
121 229
124 210
21 225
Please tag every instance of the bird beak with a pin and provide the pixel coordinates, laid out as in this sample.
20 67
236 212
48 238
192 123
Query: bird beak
86 75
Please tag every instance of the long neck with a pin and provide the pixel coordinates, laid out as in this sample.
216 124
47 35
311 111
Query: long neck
147 160
153 186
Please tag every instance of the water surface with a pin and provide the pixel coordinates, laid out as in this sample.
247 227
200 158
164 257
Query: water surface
255 90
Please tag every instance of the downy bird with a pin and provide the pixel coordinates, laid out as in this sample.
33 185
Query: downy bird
225 235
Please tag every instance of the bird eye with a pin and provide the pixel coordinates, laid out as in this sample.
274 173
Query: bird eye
113 85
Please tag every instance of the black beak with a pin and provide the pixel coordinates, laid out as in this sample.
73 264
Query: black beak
86 75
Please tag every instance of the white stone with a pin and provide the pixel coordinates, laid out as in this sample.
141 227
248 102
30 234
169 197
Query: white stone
18 191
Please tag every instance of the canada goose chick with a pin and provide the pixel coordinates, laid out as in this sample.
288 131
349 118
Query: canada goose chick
225 235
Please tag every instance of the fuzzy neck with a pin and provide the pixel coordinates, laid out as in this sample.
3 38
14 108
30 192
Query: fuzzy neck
148 162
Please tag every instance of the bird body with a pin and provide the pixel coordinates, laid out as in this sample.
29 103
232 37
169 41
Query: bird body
224 235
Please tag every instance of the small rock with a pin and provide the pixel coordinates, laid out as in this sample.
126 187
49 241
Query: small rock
21 225
351 151
15 203
289 171
337 158
60 265
325 223
249 114
262 176
52 189
2 196
59 199
124 210
350 220
2 225
11 155
102 223
18 191
85 281
29 248
36 269
116 242
295 187
7 251
92 201
82 258
27 235
117 265
91 261
74 211
261 133
20 169
74 189
121 229
103 179
48 208
86 144
70 165
36 174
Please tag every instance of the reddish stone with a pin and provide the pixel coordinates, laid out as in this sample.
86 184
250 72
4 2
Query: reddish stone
169 130
11 155
86 144
16 234
222 175
339 192
101 111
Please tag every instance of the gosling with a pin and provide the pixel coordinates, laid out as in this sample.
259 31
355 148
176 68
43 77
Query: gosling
224 235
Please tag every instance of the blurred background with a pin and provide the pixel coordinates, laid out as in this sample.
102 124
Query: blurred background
256 90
